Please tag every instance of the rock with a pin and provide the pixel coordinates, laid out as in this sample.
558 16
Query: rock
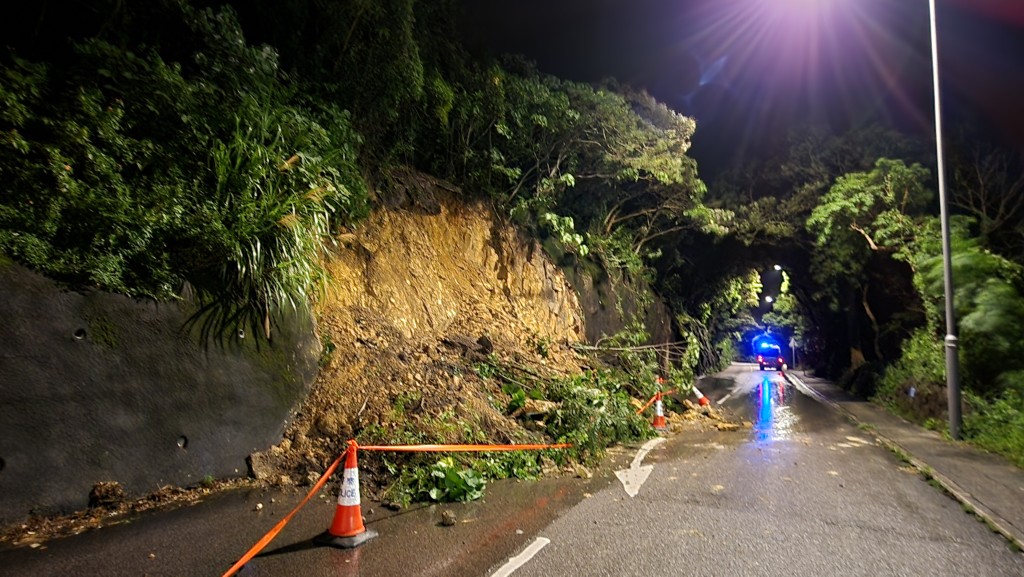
106 495
727 427
583 472
447 518
536 407
329 424
312 477
262 466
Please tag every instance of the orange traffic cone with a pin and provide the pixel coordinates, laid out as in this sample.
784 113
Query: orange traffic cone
701 399
347 530
659 413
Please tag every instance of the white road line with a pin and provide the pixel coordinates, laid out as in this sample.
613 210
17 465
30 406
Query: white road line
521 559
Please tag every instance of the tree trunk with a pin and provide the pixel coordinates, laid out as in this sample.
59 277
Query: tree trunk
874 322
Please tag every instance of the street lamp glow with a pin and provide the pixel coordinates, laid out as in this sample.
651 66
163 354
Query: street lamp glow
800 27
769 299
778 267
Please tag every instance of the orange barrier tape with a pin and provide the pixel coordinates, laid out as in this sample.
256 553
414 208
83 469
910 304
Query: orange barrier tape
651 402
459 448
266 539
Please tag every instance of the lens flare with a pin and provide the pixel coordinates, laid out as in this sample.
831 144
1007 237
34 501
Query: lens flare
817 57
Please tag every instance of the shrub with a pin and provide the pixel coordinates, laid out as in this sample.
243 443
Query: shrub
595 412
138 175
997 425
921 368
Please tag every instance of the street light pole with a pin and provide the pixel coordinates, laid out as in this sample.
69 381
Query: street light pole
952 360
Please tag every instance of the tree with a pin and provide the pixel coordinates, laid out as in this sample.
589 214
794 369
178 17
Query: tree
989 185
774 195
865 214
140 175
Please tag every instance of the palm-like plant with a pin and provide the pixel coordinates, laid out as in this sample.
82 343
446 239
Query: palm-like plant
270 219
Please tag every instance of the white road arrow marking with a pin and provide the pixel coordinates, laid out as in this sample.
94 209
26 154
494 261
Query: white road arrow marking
633 477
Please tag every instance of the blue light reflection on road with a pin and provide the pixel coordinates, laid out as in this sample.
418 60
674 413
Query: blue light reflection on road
774 418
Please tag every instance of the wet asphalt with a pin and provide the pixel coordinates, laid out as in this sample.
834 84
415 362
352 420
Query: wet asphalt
800 492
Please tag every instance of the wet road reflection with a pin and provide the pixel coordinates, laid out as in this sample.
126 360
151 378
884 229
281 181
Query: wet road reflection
775 407
775 419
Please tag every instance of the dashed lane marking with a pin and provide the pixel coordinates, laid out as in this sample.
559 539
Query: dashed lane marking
522 558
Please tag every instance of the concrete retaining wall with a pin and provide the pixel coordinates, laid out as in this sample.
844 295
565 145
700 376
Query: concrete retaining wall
99 387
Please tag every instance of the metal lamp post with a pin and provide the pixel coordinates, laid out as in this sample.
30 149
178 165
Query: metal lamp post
950 341
952 360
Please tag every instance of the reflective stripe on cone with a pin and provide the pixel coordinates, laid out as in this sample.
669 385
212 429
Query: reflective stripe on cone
347 530
659 414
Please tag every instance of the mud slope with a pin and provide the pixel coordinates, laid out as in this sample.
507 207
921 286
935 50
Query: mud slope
416 301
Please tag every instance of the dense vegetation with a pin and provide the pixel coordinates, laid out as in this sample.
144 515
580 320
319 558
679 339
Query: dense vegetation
863 208
173 148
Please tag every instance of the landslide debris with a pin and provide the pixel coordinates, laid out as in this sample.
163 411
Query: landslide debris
422 298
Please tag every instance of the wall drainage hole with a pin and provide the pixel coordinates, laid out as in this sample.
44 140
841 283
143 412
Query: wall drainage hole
183 442
2 463
80 334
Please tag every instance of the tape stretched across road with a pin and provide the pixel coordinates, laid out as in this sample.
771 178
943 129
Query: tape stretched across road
266 539
460 448
651 402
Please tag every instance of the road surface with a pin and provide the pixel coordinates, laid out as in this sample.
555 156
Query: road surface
800 493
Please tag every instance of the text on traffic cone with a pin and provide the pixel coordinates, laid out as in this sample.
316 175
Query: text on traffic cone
348 515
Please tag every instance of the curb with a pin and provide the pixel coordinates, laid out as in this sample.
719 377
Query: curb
994 521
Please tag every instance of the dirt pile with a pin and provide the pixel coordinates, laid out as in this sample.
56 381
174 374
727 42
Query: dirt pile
418 299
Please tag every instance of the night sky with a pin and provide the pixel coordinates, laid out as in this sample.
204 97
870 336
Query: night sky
747 70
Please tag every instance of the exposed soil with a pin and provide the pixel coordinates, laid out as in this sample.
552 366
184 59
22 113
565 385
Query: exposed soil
420 297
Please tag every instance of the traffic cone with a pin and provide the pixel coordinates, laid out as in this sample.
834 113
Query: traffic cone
659 413
347 530
701 399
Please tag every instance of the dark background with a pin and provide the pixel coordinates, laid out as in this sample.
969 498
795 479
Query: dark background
747 70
